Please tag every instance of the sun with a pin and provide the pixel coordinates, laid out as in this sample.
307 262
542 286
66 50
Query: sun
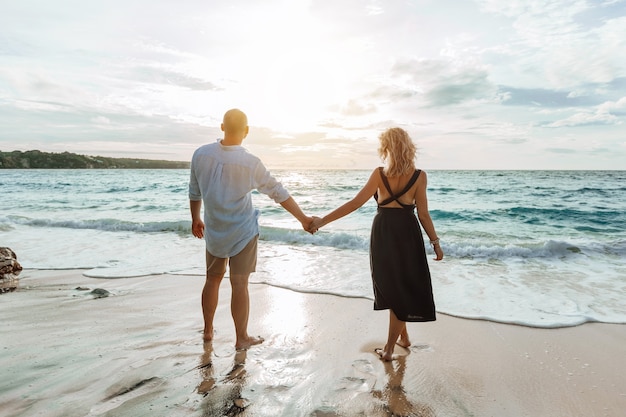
295 70
292 73
301 89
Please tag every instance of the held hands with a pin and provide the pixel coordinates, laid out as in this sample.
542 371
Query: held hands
312 224
306 224
315 224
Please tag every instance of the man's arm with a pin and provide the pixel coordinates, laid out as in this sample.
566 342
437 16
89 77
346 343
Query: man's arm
197 225
292 207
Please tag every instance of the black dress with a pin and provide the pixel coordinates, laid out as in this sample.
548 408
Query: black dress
398 261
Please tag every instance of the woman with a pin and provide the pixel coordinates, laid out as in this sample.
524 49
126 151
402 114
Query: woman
400 272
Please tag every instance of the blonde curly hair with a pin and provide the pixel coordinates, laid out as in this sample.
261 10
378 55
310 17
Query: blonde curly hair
397 151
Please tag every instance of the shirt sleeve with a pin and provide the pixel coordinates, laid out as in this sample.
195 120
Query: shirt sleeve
267 184
194 187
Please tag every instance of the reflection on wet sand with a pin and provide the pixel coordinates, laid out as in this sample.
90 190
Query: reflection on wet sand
222 397
206 370
393 395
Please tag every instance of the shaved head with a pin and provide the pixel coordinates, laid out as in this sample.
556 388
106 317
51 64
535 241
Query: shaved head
235 122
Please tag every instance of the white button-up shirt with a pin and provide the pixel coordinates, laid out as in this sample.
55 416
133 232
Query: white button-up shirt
223 178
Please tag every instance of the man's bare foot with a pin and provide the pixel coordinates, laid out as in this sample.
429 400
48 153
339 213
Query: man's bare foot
384 354
250 341
205 386
207 335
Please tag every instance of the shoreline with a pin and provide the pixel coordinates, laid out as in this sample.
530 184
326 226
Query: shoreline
254 281
139 351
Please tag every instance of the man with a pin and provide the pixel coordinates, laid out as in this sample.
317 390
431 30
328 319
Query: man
223 174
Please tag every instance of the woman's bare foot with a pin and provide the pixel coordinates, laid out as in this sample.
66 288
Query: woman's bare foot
249 341
384 354
404 341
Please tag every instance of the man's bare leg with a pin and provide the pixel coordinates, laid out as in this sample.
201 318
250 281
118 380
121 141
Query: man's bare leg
210 297
240 310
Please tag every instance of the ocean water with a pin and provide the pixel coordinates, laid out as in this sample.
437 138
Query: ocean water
536 248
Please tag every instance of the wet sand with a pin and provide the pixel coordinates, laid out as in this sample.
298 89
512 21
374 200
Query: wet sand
139 351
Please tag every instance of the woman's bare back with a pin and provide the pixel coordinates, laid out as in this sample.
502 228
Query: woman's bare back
397 184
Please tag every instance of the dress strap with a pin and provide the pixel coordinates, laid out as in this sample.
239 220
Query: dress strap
394 197
385 181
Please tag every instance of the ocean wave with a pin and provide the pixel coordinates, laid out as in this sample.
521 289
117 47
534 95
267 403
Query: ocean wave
340 240
549 249
463 216
183 227
600 191
601 219
531 190
109 225
489 248
597 215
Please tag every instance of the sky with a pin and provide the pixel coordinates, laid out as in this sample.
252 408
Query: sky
478 84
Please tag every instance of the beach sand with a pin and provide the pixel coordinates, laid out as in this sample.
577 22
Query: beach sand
139 352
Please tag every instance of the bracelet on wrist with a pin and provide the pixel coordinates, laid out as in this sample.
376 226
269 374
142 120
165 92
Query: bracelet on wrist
434 242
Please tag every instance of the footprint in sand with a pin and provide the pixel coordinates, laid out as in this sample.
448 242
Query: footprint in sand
363 365
325 412
122 393
421 348
353 384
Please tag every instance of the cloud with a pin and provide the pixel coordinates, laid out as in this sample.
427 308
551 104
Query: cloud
606 10
460 88
561 151
613 105
387 93
356 108
603 114
58 128
441 82
586 118
312 149
542 97
550 48
154 74
101 120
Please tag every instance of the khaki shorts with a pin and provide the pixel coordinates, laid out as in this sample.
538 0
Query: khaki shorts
243 263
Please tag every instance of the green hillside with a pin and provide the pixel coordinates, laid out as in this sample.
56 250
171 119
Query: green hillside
65 160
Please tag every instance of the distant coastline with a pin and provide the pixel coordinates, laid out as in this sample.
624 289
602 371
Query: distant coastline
66 160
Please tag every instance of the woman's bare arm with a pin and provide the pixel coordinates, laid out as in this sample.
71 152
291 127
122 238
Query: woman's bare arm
365 194
421 201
